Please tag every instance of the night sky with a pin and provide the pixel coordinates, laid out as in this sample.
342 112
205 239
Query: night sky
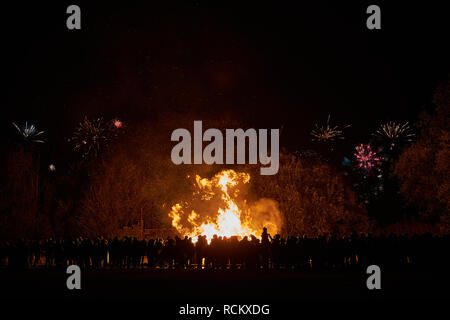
270 65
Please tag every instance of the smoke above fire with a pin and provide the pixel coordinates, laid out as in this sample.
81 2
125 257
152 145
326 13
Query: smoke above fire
219 206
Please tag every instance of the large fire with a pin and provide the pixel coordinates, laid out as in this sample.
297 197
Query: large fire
219 207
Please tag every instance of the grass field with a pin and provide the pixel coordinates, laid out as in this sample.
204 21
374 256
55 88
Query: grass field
218 286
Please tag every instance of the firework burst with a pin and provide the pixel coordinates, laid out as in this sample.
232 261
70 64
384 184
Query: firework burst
366 158
117 123
395 133
29 133
90 136
327 132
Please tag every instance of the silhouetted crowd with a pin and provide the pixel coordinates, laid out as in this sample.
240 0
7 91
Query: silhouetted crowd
300 253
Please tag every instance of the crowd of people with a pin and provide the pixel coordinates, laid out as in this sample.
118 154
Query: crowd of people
266 252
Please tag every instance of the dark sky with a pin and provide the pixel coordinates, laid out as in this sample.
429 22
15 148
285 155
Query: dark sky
270 64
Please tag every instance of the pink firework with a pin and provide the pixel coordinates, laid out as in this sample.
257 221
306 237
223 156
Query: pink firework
366 158
117 123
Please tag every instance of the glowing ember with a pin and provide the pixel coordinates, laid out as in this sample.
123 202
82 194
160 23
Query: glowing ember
214 210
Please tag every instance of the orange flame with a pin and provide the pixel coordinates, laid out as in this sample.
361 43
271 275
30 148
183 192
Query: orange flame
222 215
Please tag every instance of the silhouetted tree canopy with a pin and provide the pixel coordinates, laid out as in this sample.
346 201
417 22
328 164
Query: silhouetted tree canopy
313 198
424 168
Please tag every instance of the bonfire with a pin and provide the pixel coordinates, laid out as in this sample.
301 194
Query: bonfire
219 207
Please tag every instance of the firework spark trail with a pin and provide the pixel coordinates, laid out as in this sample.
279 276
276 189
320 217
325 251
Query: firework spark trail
29 133
91 135
88 136
327 132
366 158
395 133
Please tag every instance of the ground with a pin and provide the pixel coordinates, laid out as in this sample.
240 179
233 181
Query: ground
220 286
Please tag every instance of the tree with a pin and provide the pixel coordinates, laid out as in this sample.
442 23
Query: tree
313 198
138 174
423 168
20 215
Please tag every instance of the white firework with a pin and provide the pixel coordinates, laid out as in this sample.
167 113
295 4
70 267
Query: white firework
90 136
29 133
395 133
327 132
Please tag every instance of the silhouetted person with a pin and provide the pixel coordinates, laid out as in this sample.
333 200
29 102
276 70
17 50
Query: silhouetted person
265 246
